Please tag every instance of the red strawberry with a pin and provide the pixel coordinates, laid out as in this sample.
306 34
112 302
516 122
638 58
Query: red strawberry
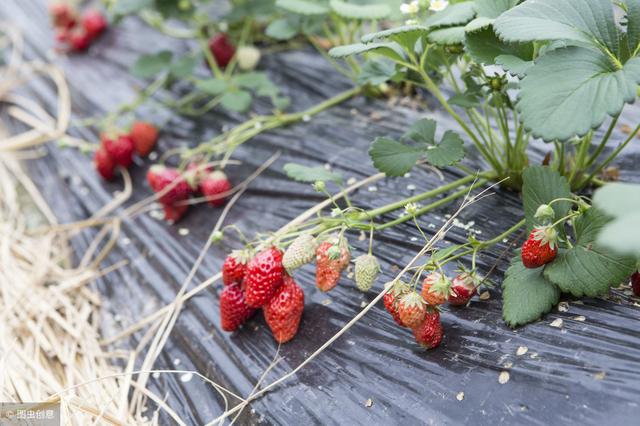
234 267
391 299
411 309
429 332
332 257
170 183
463 288
63 35
540 248
435 289
62 15
263 276
104 163
196 172
94 23
120 149
79 40
144 136
635 283
233 308
214 184
283 312
221 49
173 213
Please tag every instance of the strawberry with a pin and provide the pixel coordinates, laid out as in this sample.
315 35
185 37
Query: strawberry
120 148
144 136
391 297
248 57
411 309
79 40
435 289
170 183
463 288
221 49
173 213
234 310
62 15
263 276
234 267
63 35
283 312
540 248
104 163
429 332
196 173
332 257
635 283
367 269
301 251
94 23
213 185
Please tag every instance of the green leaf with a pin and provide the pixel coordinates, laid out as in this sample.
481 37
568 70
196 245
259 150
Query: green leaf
213 86
152 64
447 36
183 67
376 71
406 35
571 90
621 201
633 23
465 100
360 11
526 294
541 185
484 47
449 151
455 14
302 173
281 29
423 131
237 100
391 50
618 199
128 7
393 158
587 269
588 22
494 8
252 80
514 65
303 7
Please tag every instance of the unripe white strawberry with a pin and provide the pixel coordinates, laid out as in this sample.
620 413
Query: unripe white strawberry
248 57
367 268
301 251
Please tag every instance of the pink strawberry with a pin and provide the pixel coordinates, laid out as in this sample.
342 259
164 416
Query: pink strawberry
463 288
263 277
144 136
213 185
170 183
540 248
221 49
412 309
79 40
62 15
120 148
234 310
104 163
283 312
94 23
429 332
332 257
435 289
391 299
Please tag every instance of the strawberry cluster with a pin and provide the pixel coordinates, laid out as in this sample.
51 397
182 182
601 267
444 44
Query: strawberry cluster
420 311
76 32
117 149
257 282
174 187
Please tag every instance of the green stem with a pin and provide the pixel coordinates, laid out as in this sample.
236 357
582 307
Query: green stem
603 142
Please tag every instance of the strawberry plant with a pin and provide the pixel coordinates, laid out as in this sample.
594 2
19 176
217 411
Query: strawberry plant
518 71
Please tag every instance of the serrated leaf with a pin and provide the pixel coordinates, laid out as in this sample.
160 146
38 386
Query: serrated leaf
449 151
423 131
360 11
618 199
393 158
376 71
252 80
281 29
493 8
183 67
589 22
213 86
514 65
236 100
621 201
465 100
391 50
303 7
302 173
484 46
526 294
541 185
622 236
588 269
557 88
633 24
406 35
447 36
455 14
152 64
